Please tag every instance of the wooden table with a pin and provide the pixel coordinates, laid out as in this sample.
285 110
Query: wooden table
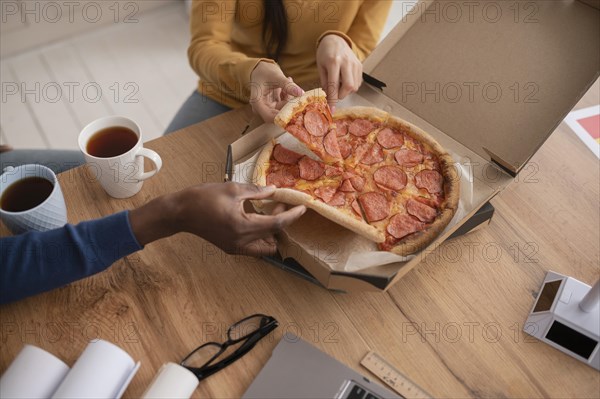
453 324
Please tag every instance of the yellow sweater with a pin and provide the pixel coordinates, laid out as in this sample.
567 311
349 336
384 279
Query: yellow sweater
227 44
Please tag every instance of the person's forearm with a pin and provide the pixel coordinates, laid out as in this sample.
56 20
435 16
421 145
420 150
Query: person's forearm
157 219
40 261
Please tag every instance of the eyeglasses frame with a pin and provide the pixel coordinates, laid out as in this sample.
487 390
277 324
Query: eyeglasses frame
267 324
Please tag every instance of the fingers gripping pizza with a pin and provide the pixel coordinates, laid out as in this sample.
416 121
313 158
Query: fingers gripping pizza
373 173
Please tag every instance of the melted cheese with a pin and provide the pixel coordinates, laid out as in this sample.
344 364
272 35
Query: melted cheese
320 182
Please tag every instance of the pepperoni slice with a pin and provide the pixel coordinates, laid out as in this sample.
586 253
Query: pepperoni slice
356 208
431 202
361 127
299 132
357 182
392 177
402 225
345 148
435 201
421 211
283 178
430 180
341 128
350 173
389 138
339 199
330 142
375 205
283 155
310 169
276 179
360 151
315 123
333 171
373 155
347 186
325 193
408 158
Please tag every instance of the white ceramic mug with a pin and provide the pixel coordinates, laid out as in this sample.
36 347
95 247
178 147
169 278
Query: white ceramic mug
48 215
121 176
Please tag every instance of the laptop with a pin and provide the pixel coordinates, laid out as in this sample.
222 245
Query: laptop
297 369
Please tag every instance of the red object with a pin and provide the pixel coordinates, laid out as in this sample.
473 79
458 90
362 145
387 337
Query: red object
592 125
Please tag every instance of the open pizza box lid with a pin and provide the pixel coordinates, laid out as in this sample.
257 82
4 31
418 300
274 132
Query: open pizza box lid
498 77
490 81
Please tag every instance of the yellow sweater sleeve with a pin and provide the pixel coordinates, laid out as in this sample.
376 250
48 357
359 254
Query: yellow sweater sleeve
366 28
210 52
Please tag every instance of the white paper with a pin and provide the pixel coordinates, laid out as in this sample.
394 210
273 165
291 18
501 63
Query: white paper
34 373
172 381
369 254
102 371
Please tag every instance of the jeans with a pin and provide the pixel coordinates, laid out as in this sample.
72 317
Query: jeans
57 160
195 109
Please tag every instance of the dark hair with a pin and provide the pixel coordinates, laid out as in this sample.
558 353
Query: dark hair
274 28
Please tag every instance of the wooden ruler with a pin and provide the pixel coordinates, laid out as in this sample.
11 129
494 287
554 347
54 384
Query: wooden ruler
392 377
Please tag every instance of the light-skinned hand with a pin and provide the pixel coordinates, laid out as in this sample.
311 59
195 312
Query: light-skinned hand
340 70
270 90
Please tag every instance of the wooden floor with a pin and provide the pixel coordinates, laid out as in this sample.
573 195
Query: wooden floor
139 70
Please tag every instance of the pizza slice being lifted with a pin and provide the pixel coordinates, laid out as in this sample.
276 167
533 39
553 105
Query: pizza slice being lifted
308 118
391 182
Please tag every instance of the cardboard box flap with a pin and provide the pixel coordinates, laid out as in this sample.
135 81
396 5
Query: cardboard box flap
592 3
496 76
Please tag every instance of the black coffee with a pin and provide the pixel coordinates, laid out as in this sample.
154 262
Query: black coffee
25 194
111 142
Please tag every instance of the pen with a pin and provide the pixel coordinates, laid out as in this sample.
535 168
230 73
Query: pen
229 164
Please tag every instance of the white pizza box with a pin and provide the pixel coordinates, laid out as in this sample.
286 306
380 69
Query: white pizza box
490 81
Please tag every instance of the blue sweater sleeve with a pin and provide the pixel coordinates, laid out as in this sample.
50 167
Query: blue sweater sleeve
35 262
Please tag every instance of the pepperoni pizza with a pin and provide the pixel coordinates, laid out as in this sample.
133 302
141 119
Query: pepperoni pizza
375 174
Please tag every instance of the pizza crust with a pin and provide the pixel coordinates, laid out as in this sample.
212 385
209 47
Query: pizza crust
451 182
259 175
370 113
293 197
297 105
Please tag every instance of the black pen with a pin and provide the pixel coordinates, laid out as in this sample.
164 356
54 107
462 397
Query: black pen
229 164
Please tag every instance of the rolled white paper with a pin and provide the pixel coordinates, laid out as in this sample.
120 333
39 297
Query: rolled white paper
172 381
34 373
102 371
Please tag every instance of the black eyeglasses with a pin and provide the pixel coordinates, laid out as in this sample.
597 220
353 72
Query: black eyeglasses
242 336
